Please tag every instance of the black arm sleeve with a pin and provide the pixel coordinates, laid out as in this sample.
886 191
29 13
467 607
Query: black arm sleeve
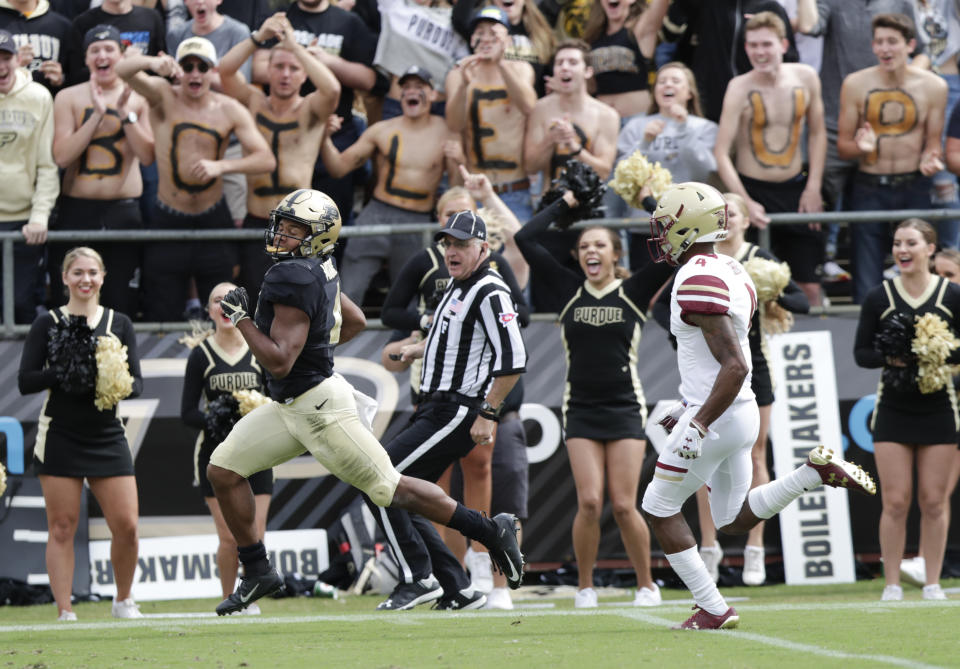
398 311
541 261
863 349
33 377
661 311
129 339
190 412
642 286
503 267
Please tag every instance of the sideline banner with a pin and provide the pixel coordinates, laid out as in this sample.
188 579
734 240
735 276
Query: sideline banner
815 530
186 567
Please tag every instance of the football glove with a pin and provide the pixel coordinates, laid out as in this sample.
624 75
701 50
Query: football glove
235 305
669 421
690 444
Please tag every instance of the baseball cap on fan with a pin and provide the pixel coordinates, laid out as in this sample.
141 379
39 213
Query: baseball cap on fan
464 225
102 33
490 13
419 73
6 42
199 47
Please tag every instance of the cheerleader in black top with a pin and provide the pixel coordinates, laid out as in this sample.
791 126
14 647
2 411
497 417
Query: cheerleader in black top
908 425
220 363
77 441
603 410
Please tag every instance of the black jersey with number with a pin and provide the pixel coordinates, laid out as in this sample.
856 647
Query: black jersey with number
601 329
311 285
941 298
213 372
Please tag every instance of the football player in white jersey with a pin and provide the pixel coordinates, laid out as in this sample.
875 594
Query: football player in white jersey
713 428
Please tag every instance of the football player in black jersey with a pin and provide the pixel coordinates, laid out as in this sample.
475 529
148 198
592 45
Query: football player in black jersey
300 317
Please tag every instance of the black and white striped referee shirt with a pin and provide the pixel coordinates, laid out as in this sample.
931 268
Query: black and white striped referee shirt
475 336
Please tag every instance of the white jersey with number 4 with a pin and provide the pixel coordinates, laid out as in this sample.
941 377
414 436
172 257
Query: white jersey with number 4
709 284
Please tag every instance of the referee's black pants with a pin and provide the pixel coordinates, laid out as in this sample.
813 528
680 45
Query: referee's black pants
437 436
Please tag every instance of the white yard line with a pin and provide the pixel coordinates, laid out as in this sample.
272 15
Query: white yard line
173 621
785 644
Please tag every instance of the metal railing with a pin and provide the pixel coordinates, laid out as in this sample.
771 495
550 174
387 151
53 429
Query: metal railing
7 239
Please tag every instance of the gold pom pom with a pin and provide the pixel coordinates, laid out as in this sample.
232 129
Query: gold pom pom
3 479
933 341
249 400
769 277
114 381
774 319
635 172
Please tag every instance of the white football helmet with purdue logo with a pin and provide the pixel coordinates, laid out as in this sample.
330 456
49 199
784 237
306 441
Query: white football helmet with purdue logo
310 208
686 213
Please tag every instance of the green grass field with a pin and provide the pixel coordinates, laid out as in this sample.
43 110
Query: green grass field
780 627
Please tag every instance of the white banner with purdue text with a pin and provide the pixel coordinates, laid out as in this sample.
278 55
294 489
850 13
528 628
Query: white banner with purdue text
186 567
815 530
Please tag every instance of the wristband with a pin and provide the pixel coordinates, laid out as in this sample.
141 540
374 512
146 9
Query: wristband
490 412
254 40
575 153
699 428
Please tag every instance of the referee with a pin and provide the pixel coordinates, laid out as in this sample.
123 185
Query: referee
472 356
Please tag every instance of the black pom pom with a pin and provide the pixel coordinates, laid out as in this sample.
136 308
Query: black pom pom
894 339
71 351
221 415
587 187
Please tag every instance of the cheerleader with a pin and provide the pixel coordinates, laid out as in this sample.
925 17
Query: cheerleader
220 363
911 429
604 411
914 571
76 439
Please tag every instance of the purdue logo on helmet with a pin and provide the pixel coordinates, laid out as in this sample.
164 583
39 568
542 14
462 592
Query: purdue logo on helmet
309 208
686 213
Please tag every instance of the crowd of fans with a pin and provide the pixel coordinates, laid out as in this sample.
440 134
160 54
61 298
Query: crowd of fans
796 105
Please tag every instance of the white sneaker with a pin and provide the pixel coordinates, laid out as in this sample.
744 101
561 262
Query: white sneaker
833 272
754 567
481 570
712 556
126 608
892 593
585 599
914 571
934 592
648 597
499 598
70 616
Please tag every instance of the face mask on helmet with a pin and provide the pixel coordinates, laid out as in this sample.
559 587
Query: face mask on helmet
313 210
686 214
